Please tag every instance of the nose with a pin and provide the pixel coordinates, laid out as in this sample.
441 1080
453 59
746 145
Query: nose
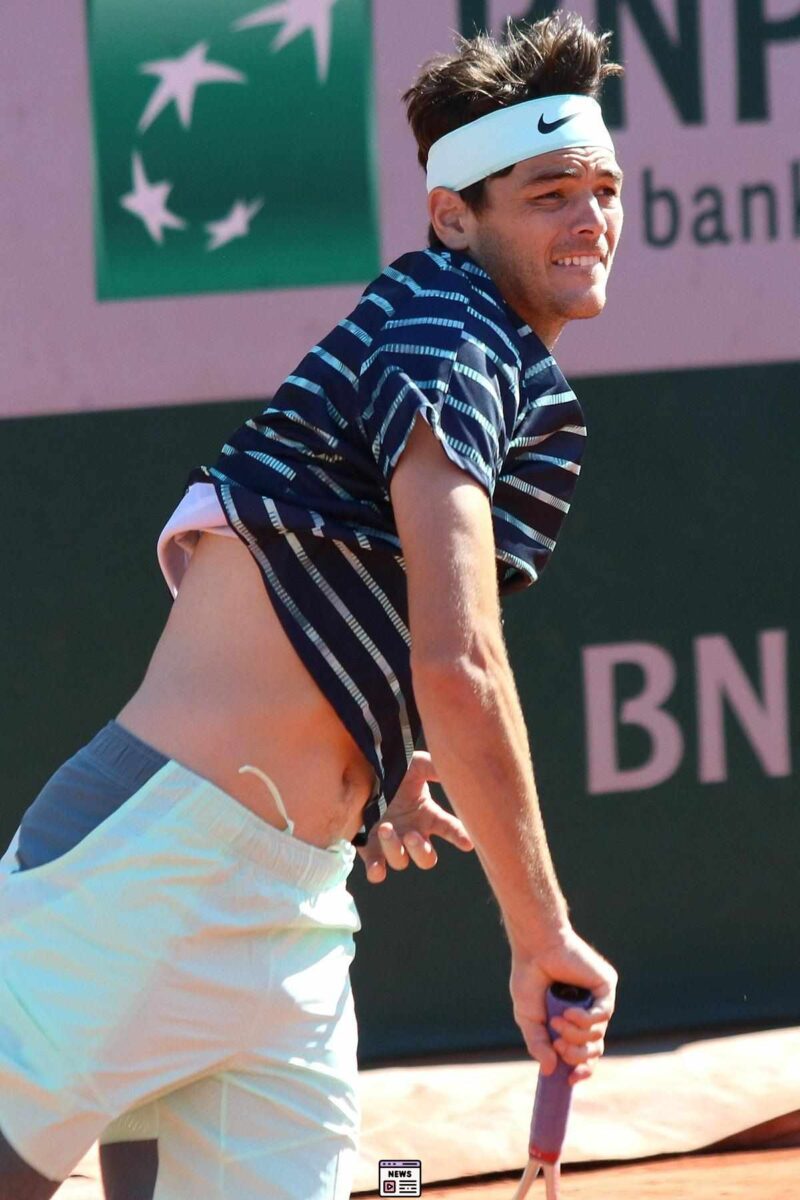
588 217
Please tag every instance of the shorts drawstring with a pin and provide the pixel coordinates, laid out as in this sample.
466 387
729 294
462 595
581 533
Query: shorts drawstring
281 807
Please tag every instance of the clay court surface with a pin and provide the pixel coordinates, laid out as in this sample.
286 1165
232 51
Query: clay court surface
751 1175
704 1118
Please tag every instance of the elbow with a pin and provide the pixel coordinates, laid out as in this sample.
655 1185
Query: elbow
460 677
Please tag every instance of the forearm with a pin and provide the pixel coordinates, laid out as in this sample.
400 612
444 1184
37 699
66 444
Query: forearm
475 731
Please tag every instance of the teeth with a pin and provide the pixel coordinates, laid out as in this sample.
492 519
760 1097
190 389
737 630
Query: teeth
578 260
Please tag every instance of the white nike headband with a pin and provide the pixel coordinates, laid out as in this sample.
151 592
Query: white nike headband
509 135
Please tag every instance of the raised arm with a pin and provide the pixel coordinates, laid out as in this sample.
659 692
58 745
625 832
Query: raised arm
475 731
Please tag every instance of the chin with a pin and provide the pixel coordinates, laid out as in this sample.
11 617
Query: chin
585 307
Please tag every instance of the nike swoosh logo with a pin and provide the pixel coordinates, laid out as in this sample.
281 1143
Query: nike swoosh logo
551 126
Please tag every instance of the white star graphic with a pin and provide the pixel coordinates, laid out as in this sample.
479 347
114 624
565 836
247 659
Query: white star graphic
236 224
180 79
148 201
297 16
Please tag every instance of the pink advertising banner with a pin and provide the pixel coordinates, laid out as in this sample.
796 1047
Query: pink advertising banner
705 124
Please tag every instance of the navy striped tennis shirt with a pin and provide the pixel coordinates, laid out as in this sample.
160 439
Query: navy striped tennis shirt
305 484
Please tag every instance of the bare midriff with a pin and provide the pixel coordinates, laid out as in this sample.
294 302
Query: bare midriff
226 688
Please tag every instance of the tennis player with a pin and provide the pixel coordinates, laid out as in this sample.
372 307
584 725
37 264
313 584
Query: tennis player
175 931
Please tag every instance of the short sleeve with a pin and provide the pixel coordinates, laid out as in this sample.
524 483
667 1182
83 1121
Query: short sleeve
538 478
452 382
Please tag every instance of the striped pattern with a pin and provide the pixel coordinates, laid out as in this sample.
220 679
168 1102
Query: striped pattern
305 484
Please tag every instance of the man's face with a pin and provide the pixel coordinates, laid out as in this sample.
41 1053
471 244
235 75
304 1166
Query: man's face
548 233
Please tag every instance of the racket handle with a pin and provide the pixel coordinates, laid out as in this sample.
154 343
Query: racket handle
554 1092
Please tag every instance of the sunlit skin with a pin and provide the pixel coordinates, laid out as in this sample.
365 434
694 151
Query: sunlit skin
549 208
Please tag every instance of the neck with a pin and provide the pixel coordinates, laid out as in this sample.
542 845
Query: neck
548 333
547 328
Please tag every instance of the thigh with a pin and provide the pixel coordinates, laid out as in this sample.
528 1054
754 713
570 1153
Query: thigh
222 1138
281 1123
104 999
18 1180
237 1136
129 1170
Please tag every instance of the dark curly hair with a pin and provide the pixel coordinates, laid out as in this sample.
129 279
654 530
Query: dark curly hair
556 56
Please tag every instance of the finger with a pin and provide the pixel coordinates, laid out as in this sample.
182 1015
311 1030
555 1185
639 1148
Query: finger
597 1014
422 765
372 858
420 850
582 1072
578 1037
393 849
575 1055
452 830
376 870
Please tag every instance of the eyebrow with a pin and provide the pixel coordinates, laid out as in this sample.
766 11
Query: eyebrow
553 174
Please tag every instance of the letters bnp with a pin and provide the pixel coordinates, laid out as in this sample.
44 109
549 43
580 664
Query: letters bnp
759 702
670 35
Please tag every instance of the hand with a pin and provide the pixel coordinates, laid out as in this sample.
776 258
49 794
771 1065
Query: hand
412 819
580 1033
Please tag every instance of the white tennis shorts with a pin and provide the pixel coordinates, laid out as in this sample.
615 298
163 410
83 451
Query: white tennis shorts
183 973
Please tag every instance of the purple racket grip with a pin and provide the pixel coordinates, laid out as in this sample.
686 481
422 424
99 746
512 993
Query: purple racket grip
554 1092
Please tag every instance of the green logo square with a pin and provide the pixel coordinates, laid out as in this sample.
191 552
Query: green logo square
233 145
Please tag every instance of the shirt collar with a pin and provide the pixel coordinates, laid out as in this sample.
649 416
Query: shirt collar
461 261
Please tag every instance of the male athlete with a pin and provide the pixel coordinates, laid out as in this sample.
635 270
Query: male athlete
175 931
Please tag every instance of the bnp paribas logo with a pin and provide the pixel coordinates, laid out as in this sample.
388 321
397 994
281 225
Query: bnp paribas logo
233 145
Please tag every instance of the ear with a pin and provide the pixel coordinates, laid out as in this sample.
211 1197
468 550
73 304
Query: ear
447 212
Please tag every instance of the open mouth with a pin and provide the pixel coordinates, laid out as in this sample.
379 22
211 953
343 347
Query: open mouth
585 262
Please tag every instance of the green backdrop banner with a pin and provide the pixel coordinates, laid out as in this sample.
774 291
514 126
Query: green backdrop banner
656 661
215 127
200 189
